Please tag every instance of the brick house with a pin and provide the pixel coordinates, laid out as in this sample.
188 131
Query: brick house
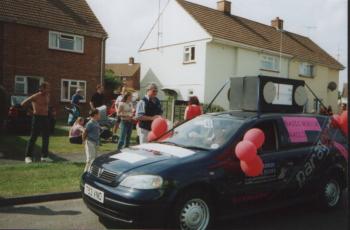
128 72
59 41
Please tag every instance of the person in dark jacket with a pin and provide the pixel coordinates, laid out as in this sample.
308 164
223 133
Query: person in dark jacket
147 110
98 99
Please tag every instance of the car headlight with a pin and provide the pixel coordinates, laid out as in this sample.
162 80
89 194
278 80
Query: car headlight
142 182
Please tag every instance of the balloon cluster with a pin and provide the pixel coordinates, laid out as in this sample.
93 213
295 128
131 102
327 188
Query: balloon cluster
246 152
158 128
341 121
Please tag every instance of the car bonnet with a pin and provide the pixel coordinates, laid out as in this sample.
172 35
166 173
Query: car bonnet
141 155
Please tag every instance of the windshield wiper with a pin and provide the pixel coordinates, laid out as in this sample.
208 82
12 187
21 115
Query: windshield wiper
184 146
168 143
195 147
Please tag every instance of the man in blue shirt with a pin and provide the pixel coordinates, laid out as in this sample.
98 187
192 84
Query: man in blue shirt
147 110
77 97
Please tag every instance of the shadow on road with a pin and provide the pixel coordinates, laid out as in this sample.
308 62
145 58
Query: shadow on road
38 210
302 216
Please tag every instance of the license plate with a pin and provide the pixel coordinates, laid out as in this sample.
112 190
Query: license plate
94 193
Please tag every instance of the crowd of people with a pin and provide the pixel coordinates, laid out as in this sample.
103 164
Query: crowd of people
125 114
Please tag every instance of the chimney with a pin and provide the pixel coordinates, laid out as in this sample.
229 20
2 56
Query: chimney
131 60
224 6
277 23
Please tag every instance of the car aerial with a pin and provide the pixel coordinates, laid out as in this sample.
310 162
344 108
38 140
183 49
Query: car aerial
194 177
19 119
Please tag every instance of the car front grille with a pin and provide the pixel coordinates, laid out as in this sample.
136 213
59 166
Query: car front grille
103 174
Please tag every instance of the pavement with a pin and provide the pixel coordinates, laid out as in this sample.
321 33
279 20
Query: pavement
72 214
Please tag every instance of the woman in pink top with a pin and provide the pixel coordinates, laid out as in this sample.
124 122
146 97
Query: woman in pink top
193 109
76 132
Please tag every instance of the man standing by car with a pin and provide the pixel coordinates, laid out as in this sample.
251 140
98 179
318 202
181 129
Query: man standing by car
147 110
40 123
98 99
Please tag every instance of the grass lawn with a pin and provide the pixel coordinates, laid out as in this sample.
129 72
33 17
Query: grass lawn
22 180
13 146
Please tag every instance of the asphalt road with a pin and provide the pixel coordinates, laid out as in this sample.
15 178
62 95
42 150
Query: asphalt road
72 214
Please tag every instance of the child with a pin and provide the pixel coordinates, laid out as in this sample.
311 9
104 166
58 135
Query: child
91 136
76 131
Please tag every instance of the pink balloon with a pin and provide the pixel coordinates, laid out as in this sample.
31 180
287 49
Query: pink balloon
245 151
151 136
256 136
159 126
253 168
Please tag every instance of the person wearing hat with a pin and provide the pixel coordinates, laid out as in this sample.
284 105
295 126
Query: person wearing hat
147 110
77 97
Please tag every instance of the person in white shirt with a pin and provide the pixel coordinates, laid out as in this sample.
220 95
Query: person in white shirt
125 112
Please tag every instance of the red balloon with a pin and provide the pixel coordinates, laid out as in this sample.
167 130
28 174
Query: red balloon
159 126
151 136
336 120
256 136
344 122
253 168
246 151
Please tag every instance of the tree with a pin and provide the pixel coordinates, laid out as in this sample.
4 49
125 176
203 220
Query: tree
111 80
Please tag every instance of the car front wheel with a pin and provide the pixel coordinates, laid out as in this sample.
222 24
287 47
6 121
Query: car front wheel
192 211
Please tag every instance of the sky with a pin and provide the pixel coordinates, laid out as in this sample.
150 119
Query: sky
128 22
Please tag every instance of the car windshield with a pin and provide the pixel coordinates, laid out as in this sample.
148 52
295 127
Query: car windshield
205 132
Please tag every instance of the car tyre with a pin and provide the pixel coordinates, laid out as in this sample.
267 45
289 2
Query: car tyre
193 210
330 193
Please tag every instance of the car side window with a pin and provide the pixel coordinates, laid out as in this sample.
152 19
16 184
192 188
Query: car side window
271 139
301 132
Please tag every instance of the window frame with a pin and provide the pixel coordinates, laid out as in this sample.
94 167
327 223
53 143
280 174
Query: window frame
302 67
25 82
75 37
275 63
69 85
192 56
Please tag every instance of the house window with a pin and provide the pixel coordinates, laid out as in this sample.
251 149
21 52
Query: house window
189 54
270 63
27 85
69 87
306 70
67 42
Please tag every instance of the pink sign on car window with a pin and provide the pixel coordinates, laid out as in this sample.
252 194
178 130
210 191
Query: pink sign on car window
296 127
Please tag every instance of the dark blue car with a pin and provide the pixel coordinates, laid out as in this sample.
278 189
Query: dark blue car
194 177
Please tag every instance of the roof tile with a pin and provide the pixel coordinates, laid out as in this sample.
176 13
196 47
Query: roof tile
73 16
